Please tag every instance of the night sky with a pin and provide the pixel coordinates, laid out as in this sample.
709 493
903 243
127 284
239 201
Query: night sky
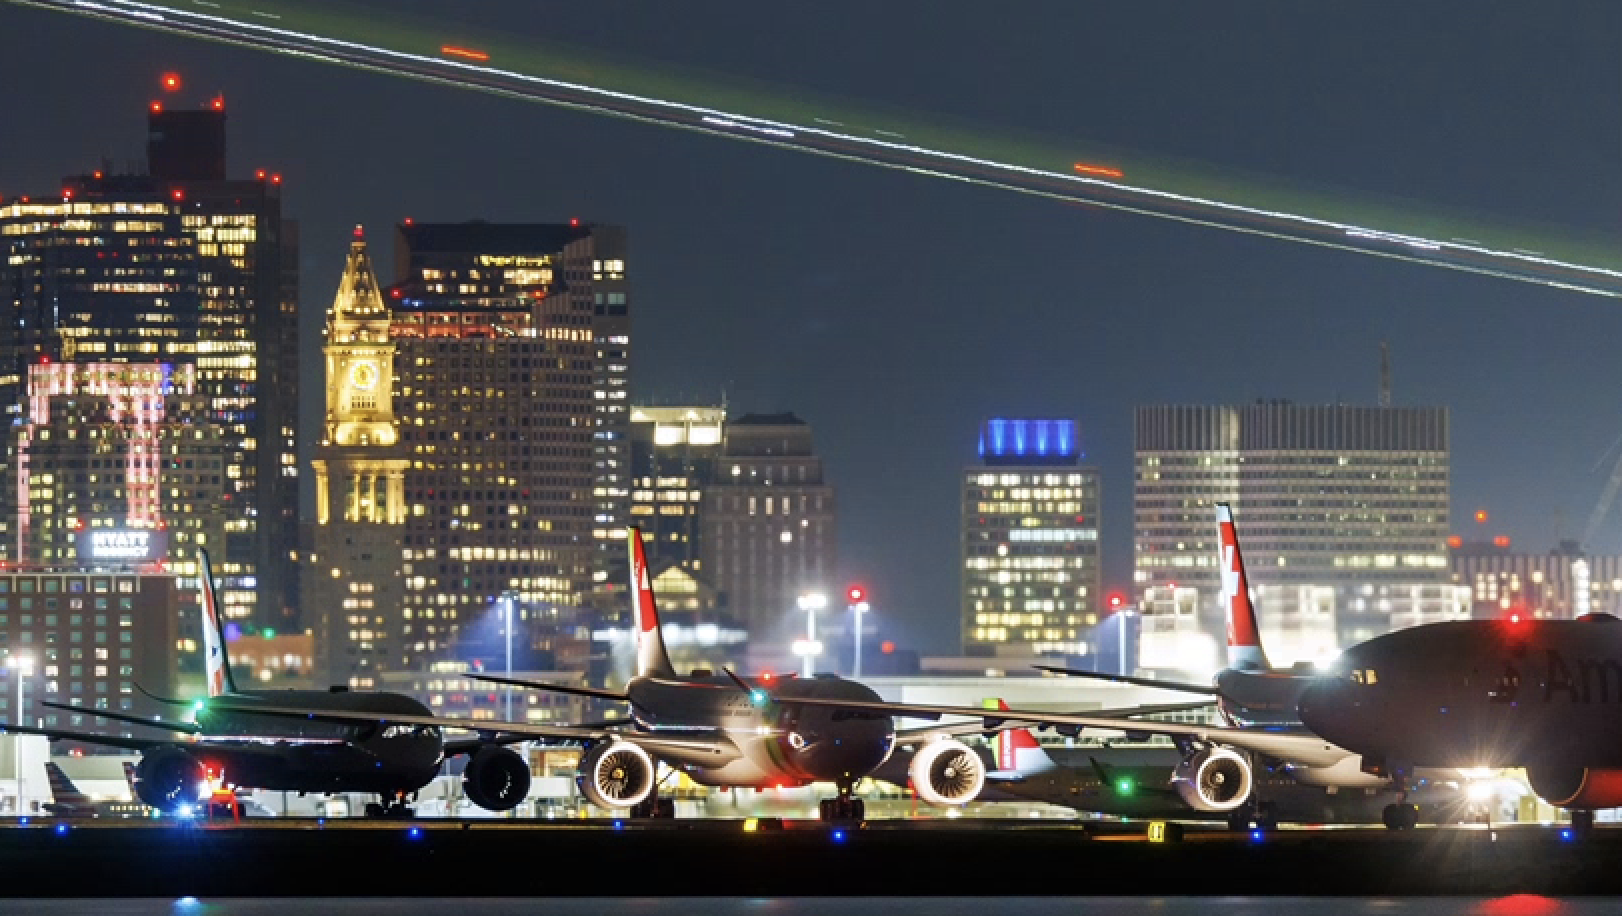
895 312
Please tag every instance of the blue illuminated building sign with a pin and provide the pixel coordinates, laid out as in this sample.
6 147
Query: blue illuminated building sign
1029 441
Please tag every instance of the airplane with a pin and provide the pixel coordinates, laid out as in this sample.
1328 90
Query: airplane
230 739
68 801
723 730
1513 692
1133 783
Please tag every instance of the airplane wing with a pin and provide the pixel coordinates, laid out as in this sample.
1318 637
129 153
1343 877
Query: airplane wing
62 734
720 749
184 728
594 692
906 735
1179 686
1303 749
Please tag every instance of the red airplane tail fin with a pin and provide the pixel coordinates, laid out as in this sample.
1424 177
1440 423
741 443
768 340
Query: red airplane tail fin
651 658
1244 634
1018 752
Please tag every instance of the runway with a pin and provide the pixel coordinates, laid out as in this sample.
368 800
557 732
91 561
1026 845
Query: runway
365 858
284 27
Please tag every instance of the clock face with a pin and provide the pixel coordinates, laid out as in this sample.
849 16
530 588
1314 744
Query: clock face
363 376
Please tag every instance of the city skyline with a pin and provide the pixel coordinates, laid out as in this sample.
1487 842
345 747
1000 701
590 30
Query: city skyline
858 282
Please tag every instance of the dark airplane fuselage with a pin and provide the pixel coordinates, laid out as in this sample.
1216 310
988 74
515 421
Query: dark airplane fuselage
278 752
779 743
1490 693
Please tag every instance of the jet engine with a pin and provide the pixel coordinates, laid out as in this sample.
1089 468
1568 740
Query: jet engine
1214 779
947 772
496 778
168 778
615 774
1577 787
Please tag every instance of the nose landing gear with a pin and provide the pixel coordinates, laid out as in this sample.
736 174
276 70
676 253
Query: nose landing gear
392 805
846 808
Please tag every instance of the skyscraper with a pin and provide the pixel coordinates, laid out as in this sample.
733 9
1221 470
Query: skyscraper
768 520
673 454
178 265
512 359
1030 541
1343 512
354 591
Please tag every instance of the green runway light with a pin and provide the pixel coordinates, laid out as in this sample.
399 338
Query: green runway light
1124 787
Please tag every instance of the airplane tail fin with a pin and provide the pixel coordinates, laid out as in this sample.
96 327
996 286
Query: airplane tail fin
63 791
651 658
1018 753
1244 635
217 660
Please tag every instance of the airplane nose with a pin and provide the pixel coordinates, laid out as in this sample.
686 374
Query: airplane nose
1327 708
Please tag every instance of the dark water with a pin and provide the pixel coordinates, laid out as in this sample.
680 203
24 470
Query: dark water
1517 905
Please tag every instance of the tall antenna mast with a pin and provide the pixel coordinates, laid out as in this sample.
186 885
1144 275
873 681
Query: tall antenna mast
1385 375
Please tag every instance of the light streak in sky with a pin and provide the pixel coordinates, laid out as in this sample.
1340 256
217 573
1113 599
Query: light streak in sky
468 53
1094 185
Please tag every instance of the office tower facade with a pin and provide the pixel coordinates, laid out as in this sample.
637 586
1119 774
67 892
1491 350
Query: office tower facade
178 265
767 529
1561 584
355 588
673 453
116 465
504 406
1030 541
89 637
1343 513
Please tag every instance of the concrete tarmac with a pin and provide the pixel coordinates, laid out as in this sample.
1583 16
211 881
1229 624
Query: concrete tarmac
298 857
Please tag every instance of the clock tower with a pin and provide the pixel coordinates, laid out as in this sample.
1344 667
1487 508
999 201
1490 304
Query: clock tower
353 598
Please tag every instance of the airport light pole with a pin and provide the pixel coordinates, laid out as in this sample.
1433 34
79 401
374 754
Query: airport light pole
857 596
809 648
21 666
508 599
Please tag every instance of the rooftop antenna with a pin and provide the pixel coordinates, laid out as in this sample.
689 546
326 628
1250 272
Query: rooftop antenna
1385 375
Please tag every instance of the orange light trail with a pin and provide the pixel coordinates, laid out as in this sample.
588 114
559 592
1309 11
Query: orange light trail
464 52
1103 170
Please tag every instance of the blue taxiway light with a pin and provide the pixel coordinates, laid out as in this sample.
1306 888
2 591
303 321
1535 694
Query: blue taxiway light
23 820
1566 834
414 833
618 825
839 836
1256 836
61 829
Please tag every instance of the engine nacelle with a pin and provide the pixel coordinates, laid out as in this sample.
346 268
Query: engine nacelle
496 778
1577 787
947 772
1215 779
168 778
615 774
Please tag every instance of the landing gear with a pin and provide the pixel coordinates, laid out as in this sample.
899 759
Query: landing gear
1400 816
655 807
1260 815
844 809
390 805
1582 823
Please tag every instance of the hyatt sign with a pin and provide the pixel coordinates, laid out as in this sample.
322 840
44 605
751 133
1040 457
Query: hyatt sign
121 546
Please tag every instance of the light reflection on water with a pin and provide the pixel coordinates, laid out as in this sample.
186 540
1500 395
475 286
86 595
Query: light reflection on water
1515 905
